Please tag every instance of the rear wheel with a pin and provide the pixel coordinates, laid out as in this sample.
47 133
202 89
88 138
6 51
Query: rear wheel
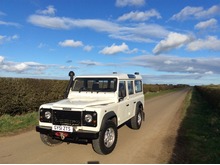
136 121
46 139
107 140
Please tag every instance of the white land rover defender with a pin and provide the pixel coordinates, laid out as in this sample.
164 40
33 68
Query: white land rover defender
92 109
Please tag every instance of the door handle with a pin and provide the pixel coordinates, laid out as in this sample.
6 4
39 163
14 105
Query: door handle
134 102
127 105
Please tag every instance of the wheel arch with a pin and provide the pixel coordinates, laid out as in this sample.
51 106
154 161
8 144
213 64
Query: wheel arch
140 106
109 116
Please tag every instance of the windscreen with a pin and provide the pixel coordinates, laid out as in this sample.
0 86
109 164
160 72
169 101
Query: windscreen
95 84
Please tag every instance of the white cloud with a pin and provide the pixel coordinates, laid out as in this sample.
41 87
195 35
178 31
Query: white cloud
50 10
68 23
168 62
123 3
1 59
212 11
14 37
190 68
71 43
209 72
211 23
135 50
88 48
175 64
210 43
196 12
140 16
4 39
42 45
68 67
181 78
186 12
191 79
90 63
9 24
20 67
173 40
140 33
115 49
133 32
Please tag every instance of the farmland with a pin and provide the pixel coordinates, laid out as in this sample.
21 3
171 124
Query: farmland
199 133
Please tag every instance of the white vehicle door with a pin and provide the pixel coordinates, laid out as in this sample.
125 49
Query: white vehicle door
132 98
123 103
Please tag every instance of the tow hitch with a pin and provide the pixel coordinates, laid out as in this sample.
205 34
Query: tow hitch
62 135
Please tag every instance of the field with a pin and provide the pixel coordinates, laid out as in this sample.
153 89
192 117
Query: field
199 133
198 136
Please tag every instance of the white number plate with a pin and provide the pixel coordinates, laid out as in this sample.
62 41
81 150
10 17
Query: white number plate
62 128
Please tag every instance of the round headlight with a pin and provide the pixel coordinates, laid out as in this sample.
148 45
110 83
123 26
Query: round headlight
47 114
88 118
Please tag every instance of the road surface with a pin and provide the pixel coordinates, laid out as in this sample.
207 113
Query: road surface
153 143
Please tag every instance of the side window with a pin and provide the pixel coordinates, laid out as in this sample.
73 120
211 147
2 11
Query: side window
138 86
122 89
130 87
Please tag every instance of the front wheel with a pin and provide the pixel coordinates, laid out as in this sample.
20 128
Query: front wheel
107 140
46 139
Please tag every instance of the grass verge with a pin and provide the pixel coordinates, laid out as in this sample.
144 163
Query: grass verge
155 94
199 134
10 125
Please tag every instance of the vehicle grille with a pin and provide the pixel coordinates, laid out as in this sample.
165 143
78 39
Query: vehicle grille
70 118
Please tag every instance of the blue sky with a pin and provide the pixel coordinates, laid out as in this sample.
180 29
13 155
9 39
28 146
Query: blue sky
167 41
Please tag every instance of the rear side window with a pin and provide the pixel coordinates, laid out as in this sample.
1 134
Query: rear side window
122 89
130 87
138 86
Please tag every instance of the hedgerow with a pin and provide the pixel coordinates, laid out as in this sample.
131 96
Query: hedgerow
161 87
212 94
19 96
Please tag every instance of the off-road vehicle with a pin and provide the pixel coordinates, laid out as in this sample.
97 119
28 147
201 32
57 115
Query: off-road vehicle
94 106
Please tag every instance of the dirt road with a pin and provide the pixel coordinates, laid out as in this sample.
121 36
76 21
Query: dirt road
153 143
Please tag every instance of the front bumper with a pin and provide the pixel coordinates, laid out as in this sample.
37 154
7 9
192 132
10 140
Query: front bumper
72 135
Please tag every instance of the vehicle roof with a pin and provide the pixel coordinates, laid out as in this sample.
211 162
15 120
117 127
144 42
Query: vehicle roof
120 76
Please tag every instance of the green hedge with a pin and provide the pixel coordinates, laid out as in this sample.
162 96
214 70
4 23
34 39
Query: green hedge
20 96
161 87
211 94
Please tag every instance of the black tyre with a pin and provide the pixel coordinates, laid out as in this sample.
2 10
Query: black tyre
46 139
107 140
136 121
